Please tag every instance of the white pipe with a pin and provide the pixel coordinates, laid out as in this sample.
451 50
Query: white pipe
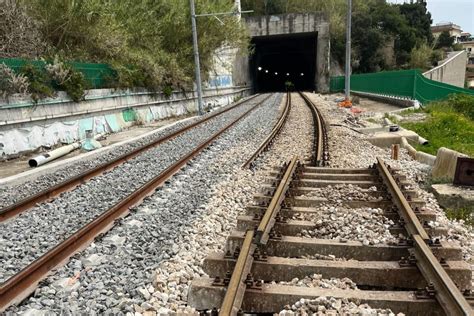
59 152
422 141
47 157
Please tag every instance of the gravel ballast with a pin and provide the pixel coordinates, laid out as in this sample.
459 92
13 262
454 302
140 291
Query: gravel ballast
30 235
114 274
14 193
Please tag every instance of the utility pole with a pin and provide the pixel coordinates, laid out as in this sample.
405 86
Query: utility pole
347 101
197 66
238 8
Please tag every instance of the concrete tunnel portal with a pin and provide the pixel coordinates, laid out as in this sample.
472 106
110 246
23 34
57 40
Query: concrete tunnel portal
288 47
283 58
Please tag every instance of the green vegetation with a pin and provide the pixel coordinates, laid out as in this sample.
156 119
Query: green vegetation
450 124
383 34
40 84
444 40
464 214
148 43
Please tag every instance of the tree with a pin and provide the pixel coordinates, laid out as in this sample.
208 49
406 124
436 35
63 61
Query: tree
445 40
149 42
19 34
420 57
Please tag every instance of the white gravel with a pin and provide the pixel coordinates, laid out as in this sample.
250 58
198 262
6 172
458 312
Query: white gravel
295 138
333 306
367 225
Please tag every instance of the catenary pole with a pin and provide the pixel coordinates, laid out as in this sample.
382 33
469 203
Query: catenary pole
238 8
197 67
348 51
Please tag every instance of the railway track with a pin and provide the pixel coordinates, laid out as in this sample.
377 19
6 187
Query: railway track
418 274
320 156
20 285
69 184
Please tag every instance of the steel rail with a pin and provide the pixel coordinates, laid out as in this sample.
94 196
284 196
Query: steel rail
236 289
23 283
412 223
275 131
69 184
268 219
320 157
447 294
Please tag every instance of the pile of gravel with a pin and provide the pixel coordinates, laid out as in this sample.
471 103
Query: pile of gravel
367 225
333 306
316 280
339 193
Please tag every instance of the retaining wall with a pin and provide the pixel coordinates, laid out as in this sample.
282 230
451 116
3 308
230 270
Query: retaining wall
451 71
24 126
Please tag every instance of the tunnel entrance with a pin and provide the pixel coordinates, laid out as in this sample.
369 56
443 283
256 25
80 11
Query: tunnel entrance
281 58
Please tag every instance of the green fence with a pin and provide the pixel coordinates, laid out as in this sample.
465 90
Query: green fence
96 74
404 83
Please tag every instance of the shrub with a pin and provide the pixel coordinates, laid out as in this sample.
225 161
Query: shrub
39 82
64 77
167 91
11 83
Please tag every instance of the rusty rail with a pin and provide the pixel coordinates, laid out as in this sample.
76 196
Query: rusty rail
237 285
275 131
69 184
446 292
320 144
23 283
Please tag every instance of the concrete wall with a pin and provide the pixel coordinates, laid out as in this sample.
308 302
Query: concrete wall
317 22
25 127
451 71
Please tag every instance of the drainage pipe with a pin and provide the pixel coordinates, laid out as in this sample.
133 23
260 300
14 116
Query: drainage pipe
59 152
47 157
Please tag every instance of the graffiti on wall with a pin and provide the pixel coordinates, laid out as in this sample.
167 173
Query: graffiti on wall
220 81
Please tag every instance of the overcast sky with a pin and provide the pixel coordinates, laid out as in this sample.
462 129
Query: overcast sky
460 12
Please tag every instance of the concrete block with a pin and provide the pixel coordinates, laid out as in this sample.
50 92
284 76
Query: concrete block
455 197
445 164
425 158
273 297
386 139
371 273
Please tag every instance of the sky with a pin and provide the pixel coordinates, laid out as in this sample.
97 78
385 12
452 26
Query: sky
460 12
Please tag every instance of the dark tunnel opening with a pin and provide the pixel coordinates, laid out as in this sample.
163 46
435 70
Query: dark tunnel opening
281 58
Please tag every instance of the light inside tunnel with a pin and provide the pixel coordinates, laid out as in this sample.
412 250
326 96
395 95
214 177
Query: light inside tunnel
293 55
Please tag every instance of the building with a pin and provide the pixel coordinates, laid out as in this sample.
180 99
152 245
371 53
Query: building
467 42
453 29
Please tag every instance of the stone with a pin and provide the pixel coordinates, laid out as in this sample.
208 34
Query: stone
454 197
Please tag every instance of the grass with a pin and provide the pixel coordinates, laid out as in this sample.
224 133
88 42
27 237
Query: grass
463 213
450 123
